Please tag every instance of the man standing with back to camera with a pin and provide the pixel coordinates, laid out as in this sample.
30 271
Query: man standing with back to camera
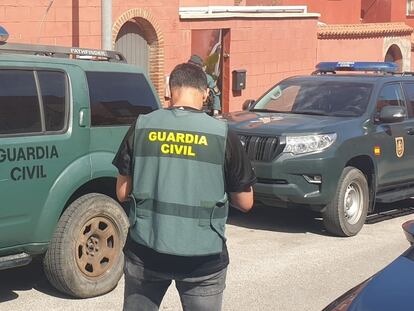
179 164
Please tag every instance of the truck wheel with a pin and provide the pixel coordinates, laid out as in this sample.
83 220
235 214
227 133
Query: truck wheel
346 214
85 257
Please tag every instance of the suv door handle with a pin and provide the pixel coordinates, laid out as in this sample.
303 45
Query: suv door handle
83 117
410 131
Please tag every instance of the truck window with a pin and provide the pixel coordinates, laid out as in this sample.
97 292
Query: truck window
283 99
118 98
19 104
332 98
390 95
409 89
53 91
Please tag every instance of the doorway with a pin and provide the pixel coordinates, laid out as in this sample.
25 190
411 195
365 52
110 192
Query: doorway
212 45
131 42
394 55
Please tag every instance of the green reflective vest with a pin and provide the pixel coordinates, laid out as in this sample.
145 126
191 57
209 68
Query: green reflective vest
178 183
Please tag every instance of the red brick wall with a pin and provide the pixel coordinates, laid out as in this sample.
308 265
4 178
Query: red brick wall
369 49
386 11
269 50
184 3
74 22
399 12
332 11
376 11
282 48
263 2
23 21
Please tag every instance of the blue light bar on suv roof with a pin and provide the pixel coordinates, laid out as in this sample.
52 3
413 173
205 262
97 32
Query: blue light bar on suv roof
386 67
4 35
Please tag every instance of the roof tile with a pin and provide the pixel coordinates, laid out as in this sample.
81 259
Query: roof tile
368 30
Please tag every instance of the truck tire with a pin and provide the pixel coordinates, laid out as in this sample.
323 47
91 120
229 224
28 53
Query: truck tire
347 212
85 257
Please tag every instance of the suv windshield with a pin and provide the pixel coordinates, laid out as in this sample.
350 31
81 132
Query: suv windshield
331 98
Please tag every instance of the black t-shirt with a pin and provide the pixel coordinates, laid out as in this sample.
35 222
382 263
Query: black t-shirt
239 176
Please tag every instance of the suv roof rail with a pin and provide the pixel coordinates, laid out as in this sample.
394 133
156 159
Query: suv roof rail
377 67
322 72
62 52
407 73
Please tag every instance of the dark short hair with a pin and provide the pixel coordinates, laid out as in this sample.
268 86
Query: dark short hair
188 75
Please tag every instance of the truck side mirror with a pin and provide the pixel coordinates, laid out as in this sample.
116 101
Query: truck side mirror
392 114
248 104
408 228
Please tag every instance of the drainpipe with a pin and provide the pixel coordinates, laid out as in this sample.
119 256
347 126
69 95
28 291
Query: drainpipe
106 18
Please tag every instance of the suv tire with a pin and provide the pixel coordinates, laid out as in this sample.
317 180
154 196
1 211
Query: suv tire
85 257
346 214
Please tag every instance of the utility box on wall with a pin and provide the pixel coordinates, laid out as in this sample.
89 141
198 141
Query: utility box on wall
239 79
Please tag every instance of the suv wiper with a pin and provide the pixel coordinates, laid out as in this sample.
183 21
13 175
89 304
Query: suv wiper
311 112
345 114
267 110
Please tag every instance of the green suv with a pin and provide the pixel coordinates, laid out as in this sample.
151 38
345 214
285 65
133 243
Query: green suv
334 143
63 114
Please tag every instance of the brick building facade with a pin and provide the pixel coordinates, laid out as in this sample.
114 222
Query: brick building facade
361 29
353 11
269 45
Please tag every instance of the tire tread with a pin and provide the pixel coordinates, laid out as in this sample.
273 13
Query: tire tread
331 217
54 260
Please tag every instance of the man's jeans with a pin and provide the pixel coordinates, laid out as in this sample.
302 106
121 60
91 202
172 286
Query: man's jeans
144 289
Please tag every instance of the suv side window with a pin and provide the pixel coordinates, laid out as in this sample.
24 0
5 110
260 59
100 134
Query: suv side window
118 98
19 103
409 90
390 95
53 91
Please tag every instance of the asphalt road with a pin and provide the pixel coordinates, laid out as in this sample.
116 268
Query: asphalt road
280 260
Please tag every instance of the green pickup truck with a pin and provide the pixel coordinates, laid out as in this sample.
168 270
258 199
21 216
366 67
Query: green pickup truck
336 141
63 114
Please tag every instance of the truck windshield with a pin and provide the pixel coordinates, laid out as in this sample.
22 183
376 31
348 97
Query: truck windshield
330 98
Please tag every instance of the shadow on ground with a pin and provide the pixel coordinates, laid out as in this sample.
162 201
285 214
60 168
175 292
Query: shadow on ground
301 220
25 278
290 220
389 211
260 218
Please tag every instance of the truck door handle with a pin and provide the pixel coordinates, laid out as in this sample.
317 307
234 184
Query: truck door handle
83 117
410 131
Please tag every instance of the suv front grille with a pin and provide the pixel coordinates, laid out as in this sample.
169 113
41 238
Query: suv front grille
260 148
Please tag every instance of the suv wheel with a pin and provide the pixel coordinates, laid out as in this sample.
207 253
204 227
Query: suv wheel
85 258
346 214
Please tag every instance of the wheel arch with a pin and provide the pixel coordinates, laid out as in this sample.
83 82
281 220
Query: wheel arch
103 185
367 166
76 180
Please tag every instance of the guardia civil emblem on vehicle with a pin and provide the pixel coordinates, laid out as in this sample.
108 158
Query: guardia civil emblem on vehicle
399 146
266 120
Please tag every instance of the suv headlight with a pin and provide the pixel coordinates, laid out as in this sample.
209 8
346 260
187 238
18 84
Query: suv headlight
308 143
